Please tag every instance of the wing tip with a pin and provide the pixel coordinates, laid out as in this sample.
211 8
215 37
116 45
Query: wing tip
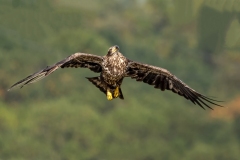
12 87
15 86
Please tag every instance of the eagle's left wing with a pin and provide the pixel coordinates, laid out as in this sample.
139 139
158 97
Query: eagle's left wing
84 60
162 79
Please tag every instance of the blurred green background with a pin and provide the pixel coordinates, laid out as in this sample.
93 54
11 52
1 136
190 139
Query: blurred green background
66 117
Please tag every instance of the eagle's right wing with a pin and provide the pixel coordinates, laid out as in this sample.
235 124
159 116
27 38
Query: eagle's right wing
84 60
162 79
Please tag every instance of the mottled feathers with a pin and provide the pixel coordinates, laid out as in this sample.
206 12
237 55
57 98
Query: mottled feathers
114 67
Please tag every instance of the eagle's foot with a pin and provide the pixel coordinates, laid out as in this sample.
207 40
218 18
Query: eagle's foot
109 95
116 92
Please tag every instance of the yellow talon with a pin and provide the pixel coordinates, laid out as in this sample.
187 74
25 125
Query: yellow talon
109 95
116 92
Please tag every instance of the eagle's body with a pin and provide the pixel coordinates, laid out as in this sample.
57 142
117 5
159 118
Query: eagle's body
114 67
113 71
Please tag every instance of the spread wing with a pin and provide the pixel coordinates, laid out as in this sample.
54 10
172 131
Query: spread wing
84 60
162 79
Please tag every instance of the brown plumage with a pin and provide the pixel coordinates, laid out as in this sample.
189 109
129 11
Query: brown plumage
114 67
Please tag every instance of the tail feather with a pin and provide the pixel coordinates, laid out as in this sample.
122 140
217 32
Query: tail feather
98 83
120 95
103 86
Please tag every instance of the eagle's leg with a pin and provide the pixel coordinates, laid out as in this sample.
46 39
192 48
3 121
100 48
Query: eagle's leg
116 92
109 95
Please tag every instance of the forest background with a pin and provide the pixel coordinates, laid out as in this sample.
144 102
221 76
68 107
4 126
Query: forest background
66 117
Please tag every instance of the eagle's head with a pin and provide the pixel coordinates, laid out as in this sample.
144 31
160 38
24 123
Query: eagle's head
113 50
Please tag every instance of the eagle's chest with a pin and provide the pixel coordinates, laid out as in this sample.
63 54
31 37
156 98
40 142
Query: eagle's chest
115 65
114 68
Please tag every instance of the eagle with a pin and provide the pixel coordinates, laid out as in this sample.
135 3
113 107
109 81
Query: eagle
114 67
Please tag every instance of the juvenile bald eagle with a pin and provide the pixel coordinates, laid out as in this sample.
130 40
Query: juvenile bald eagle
113 67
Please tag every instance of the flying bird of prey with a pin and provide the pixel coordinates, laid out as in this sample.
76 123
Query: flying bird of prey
114 67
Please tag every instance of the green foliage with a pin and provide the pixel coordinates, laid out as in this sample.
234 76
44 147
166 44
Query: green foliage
66 117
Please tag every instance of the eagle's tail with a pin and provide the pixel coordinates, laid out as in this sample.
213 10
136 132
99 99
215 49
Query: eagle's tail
103 86
120 93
